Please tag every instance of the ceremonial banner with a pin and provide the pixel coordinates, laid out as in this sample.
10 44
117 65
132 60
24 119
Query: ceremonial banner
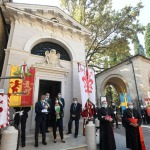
4 111
87 84
124 99
24 87
15 86
27 87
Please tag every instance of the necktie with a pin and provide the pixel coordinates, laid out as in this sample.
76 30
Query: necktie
74 107
43 104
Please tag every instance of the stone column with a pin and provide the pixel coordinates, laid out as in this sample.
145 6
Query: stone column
91 136
4 72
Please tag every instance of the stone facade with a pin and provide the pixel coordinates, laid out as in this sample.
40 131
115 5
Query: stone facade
33 24
121 77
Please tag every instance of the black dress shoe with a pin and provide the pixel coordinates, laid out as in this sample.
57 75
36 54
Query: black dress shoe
36 144
54 141
63 140
44 143
75 136
23 145
68 133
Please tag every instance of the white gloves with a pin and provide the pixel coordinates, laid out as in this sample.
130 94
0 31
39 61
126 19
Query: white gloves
44 110
21 113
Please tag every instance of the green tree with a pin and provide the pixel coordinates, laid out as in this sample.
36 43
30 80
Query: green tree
111 30
138 48
147 40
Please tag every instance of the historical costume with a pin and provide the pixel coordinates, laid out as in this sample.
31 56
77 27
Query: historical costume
57 119
20 117
132 119
75 111
107 140
87 113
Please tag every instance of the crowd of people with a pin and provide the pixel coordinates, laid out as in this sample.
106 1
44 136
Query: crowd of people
131 120
48 110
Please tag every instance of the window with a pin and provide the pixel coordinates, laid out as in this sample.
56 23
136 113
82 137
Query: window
40 49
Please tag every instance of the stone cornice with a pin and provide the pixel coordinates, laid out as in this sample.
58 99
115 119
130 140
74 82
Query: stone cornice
43 9
46 68
40 22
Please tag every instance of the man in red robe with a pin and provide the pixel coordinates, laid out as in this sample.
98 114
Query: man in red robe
87 113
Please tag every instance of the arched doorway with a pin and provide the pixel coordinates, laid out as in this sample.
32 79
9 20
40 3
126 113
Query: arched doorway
112 87
50 84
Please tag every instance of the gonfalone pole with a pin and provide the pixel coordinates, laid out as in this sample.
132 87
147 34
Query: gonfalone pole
12 77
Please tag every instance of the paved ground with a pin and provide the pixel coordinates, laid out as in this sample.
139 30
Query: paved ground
80 141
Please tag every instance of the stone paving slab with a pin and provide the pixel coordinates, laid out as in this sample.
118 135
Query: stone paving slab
72 143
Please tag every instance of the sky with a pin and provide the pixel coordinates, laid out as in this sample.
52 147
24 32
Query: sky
117 4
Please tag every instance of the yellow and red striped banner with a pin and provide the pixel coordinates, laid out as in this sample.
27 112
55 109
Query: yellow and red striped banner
22 86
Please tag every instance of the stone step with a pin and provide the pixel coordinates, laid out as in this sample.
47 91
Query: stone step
83 147
71 143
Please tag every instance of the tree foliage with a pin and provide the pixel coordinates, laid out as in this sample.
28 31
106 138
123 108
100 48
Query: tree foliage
111 30
147 40
138 48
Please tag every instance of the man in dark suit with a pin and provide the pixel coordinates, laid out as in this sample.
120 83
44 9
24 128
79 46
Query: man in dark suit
75 111
40 119
115 112
21 115
61 100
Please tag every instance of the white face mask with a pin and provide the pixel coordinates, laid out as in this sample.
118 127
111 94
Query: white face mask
131 107
113 104
59 95
56 101
104 105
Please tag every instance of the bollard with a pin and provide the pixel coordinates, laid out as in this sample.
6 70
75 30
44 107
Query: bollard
96 122
9 139
90 136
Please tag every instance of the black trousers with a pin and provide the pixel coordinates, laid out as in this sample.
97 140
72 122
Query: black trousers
21 120
47 121
40 124
116 120
58 123
76 125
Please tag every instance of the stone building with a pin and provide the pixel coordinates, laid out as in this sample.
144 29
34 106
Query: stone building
35 29
131 76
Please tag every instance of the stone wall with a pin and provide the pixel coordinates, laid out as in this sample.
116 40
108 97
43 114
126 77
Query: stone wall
124 71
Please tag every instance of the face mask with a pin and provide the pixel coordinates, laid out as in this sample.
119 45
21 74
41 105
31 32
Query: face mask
56 101
113 104
131 107
104 105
